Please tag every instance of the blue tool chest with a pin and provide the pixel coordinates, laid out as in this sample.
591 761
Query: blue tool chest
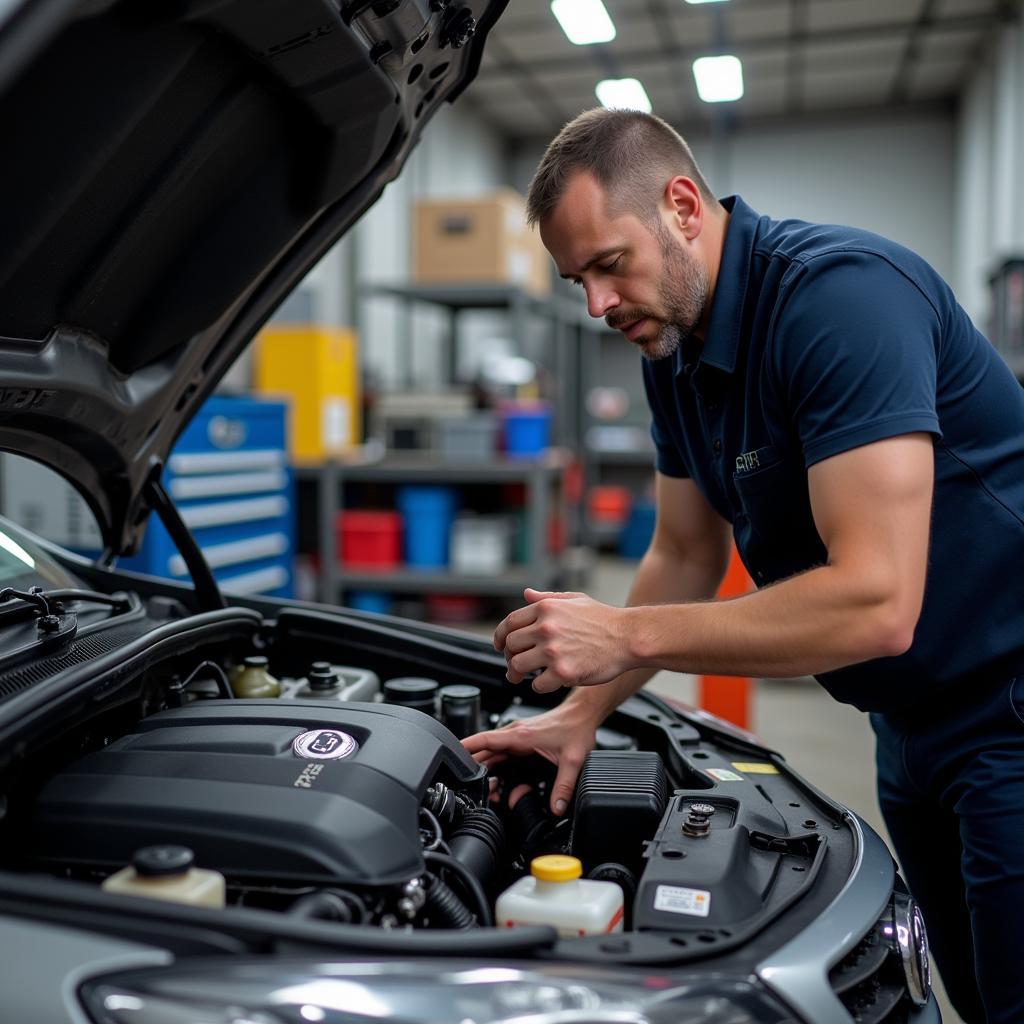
230 479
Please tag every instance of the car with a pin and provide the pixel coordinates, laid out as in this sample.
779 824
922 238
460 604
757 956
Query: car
323 849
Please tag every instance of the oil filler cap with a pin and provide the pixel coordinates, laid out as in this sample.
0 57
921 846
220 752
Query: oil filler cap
161 861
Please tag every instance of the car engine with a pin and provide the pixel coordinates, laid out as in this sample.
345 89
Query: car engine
370 811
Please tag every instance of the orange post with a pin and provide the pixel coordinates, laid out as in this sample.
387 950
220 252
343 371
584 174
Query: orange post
729 696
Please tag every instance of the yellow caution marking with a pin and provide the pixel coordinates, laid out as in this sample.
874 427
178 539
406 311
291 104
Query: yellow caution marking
755 767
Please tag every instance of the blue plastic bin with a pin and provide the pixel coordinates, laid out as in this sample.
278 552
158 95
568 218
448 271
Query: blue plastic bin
427 514
369 601
527 431
636 535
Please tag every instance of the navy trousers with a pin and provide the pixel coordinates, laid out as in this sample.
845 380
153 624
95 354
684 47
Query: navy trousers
951 786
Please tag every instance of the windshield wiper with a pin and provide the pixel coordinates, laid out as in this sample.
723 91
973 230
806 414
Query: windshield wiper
50 603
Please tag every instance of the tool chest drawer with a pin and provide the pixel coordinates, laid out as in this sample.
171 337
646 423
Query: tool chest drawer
230 479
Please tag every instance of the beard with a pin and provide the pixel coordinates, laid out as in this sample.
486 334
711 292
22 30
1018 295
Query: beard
682 293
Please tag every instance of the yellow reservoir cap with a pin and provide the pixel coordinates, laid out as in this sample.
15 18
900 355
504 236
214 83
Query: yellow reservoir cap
553 867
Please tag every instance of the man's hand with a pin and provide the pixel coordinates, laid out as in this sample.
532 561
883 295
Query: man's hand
564 735
573 639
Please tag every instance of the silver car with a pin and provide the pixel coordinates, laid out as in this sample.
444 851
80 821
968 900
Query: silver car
170 171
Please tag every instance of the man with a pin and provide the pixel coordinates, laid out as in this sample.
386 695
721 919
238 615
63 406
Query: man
819 390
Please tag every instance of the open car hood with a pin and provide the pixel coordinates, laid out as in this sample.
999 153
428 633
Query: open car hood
171 170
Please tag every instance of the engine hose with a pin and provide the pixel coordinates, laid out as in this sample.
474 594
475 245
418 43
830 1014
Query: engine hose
445 804
531 827
330 905
478 843
443 904
469 881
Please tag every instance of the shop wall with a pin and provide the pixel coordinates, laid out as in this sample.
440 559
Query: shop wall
891 173
457 155
989 212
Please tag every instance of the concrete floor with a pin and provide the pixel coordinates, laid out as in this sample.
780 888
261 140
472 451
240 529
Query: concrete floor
829 743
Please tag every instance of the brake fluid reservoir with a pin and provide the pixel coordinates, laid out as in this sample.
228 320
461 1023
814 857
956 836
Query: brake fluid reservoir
554 894
168 873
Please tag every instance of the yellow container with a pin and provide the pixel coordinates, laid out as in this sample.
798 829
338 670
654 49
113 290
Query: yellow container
315 368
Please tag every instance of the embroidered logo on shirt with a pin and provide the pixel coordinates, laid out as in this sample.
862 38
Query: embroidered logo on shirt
748 461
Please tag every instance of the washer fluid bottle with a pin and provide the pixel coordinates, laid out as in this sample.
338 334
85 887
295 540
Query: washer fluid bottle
168 873
554 894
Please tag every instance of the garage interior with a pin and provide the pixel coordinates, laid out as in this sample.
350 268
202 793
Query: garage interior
458 428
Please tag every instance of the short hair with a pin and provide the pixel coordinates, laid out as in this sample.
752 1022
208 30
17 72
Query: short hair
631 155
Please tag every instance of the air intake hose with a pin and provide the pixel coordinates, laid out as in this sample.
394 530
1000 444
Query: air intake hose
478 844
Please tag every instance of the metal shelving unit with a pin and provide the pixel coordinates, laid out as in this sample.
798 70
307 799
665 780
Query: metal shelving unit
559 312
632 466
541 476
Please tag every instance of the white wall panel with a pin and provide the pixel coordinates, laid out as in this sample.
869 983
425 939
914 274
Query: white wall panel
891 174
458 155
990 167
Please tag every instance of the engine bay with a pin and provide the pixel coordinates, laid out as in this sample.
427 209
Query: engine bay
339 792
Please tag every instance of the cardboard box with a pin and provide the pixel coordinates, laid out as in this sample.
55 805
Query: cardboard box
479 241
315 369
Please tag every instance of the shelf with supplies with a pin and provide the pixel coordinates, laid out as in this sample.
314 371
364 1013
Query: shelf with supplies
617 454
542 479
560 313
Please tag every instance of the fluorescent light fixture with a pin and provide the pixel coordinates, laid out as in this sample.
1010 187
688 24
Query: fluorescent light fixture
584 21
703 1
623 94
719 79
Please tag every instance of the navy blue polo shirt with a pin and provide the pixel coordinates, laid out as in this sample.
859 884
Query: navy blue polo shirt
824 338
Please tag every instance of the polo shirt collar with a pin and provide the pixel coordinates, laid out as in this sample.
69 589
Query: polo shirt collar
721 343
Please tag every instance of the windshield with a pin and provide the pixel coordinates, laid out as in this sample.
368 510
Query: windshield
23 563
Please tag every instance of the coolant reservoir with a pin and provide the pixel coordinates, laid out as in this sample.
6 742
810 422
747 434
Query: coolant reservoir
168 873
254 680
554 894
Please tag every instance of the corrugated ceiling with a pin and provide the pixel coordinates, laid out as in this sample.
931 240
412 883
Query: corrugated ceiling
799 57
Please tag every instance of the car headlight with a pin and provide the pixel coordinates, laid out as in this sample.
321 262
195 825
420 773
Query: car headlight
908 938
418 993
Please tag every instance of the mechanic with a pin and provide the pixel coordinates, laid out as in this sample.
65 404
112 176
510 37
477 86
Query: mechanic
818 389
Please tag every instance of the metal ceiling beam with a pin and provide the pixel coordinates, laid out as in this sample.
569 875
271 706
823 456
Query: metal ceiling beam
796 65
670 47
808 120
540 19
912 52
646 54
509 64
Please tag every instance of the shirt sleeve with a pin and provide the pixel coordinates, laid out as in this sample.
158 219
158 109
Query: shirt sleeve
668 459
854 354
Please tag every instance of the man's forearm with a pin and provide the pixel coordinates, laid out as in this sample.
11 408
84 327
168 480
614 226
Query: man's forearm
821 620
660 579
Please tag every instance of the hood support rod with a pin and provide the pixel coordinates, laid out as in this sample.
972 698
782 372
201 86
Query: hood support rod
207 591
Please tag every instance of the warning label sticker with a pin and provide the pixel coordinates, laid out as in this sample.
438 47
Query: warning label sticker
724 775
677 900
755 767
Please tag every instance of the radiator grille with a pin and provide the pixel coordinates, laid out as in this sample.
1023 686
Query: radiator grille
869 980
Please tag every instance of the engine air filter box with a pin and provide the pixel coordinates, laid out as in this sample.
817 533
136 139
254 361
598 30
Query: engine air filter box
620 801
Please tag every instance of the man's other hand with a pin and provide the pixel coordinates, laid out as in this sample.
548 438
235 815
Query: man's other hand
569 639
563 736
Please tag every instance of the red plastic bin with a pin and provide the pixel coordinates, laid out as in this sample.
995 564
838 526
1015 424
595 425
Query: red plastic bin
609 504
370 539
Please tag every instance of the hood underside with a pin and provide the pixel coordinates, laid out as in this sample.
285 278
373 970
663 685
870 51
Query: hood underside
172 169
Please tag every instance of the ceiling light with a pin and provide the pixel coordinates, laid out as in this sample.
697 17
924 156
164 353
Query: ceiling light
623 94
584 21
703 1
719 79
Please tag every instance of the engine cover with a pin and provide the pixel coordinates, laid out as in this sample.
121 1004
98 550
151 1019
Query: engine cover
260 790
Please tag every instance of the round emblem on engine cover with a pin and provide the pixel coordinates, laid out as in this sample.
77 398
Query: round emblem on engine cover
324 745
